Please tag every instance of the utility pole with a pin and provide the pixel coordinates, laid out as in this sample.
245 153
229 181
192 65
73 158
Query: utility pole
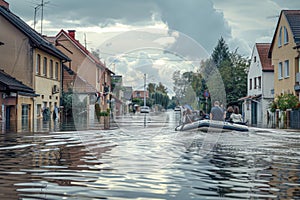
144 89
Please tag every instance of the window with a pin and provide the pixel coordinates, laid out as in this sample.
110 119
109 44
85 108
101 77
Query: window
255 83
286 69
280 37
259 82
286 36
25 117
38 64
250 84
56 70
51 68
280 70
254 58
45 67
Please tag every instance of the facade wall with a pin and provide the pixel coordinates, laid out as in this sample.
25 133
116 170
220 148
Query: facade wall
16 53
80 64
279 55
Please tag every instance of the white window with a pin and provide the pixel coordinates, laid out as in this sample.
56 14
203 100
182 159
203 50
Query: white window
280 37
51 68
38 64
45 66
286 69
286 36
280 70
56 71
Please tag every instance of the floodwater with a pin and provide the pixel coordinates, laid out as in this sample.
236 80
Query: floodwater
144 158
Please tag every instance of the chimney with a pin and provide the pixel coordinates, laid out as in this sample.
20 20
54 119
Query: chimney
4 4
71 33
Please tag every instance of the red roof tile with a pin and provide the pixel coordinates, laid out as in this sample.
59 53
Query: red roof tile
263 50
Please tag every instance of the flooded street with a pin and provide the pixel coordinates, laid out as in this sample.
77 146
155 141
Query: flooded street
144 158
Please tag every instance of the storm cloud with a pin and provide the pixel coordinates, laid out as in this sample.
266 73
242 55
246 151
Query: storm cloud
197 19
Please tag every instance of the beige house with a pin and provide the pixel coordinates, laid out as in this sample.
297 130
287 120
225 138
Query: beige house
28 57
285 52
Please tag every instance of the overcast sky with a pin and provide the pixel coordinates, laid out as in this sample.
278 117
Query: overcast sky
241 23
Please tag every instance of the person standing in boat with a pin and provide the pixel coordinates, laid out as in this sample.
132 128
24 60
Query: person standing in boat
216 112
236 117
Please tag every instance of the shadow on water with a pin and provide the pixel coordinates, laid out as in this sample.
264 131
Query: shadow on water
147 163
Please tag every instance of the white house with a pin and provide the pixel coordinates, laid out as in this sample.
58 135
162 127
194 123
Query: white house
260 88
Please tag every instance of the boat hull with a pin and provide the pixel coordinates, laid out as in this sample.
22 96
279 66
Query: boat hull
210 125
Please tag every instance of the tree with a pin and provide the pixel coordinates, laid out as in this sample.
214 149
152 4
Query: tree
220 52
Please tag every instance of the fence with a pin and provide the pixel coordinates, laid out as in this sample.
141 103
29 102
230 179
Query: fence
295 119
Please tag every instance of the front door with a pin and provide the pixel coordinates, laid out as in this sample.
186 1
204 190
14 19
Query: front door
254 113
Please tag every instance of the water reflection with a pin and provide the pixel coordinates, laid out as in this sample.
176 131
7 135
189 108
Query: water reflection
148 163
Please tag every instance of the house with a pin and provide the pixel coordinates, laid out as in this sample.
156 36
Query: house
32 60
260 87
84 64
285 52
17 103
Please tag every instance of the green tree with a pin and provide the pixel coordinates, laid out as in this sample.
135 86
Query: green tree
220 53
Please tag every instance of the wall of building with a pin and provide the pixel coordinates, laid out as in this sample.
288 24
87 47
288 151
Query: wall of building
80 64
280 54
15 54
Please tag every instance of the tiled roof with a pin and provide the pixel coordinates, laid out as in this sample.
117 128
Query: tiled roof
293 18
79 84
12 84
263 50
82 48
37 40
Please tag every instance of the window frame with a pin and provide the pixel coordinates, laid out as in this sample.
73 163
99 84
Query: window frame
280 37
285 36
286 69
38 64
45 63
280 71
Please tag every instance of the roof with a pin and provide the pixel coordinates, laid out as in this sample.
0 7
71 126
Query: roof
293 19
263 50
35 38
80 85
12 84
84 50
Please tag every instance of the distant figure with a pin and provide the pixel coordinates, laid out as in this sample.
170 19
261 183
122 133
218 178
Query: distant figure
228 113
55 111
236 117
217 112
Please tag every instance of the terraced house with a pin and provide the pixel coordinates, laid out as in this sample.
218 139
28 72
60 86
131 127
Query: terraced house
35 63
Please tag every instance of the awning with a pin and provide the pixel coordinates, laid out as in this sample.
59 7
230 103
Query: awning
251 97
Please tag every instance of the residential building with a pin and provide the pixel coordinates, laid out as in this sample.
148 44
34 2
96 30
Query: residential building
32 60
284 52
140 94
260 87
85 65
16 100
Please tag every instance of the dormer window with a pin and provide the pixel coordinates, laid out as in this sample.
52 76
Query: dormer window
280 37
286 36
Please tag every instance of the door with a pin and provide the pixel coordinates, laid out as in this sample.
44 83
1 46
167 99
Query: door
254 113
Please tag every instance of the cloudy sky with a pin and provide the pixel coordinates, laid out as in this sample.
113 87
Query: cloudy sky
103 24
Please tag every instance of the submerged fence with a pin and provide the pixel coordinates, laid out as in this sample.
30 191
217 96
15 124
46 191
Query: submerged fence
295 119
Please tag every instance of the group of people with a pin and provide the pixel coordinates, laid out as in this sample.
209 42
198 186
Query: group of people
217 113
230 115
